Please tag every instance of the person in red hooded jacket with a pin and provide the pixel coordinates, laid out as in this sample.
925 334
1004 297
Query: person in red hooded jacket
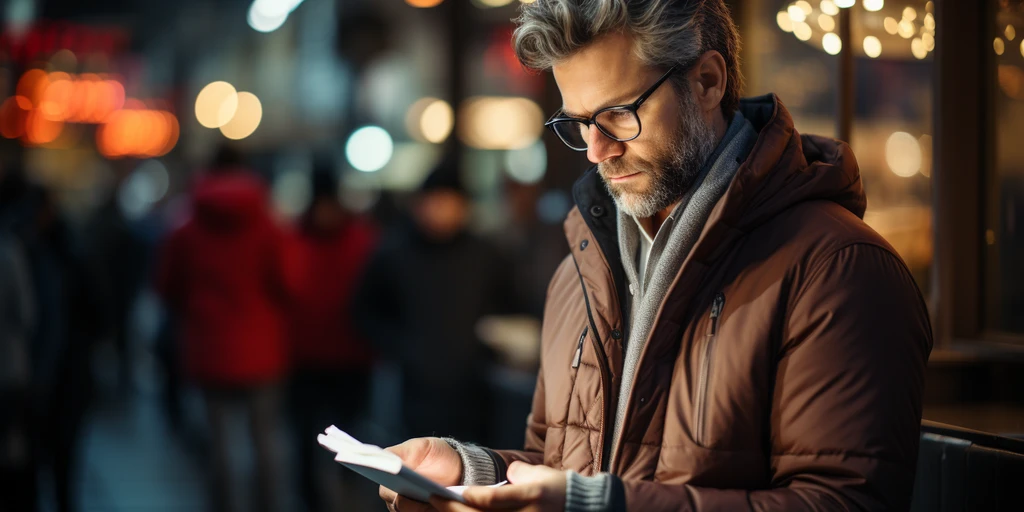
331 363
222 276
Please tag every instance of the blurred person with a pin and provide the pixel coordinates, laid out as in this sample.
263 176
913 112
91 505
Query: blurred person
727 333
331 363
419 302
222 275
17 323
61 344
119 255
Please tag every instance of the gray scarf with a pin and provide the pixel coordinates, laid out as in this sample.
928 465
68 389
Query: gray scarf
672 244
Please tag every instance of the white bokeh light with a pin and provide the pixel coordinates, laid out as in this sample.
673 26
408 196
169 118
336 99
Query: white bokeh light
146 186
903 154
369 148
527 165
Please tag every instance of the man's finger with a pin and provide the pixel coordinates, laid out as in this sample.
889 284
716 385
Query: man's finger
403 504
509 496
398 503
443 505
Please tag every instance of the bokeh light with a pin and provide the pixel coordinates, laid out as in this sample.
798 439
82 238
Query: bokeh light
247 117
796 14
874 5
527 165
493 3
831 43
32 85
829 7
891 25
423 3
143 188
783 20
269 15
430 120
437 121
802 31
918 48
500 122
845 3
826 22
369 148
137 133
216 104
903 154
872 47
40 130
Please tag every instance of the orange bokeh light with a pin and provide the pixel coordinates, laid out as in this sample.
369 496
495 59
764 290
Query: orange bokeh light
138 133
32 85
40 130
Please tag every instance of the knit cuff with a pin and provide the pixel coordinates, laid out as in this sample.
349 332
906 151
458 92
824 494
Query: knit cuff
588 493
478 466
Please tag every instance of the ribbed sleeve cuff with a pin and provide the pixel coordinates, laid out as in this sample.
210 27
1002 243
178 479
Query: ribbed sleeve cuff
479 466
588 493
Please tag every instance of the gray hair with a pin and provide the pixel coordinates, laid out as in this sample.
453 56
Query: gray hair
666 33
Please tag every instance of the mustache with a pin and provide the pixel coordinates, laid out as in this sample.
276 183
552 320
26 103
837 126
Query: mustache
618 168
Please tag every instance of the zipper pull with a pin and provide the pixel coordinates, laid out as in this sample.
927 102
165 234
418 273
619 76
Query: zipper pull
579 349
716 311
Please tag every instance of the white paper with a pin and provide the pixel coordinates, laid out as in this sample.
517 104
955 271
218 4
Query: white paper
382 467
460 489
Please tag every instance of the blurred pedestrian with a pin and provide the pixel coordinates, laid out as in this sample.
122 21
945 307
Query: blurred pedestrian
331 363
47 259
17 322
119 255
420 300
222 275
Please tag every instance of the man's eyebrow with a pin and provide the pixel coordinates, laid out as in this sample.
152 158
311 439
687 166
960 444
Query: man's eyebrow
624 99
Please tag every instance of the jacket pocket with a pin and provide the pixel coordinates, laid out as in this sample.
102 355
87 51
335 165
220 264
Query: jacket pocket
704 377
579 349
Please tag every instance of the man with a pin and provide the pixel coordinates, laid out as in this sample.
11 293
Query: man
727 333
421 297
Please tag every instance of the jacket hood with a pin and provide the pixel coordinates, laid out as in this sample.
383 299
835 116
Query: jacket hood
230 201
786 168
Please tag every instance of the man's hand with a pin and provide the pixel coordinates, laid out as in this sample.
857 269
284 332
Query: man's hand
531 489
430 457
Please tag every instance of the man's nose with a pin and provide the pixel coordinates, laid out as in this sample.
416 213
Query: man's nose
600 147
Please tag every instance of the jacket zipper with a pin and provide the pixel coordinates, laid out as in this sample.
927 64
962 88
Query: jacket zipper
601 360
579 348
705 368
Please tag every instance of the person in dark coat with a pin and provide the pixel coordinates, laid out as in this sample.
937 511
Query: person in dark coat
421 297
331 363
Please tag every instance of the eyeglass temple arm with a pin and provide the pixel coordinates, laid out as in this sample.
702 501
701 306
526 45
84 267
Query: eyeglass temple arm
642 99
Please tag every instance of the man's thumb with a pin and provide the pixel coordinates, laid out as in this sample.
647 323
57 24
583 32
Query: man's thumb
523 473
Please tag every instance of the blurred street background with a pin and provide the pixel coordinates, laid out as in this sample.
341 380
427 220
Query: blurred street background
226 225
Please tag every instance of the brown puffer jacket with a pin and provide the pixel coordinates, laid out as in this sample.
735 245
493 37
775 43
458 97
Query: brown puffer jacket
786 365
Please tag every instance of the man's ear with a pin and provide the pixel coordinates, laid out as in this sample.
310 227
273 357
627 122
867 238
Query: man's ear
710 79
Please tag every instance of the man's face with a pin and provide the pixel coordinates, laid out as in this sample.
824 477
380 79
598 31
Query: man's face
653 171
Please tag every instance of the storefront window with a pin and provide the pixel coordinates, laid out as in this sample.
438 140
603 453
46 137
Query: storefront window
794 50
1004 188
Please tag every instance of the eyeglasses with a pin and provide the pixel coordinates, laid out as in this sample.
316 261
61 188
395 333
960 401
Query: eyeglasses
620 123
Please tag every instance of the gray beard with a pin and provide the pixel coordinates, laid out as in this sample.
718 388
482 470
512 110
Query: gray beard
673 172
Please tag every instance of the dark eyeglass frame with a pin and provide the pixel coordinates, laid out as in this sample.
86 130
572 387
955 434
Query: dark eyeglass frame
630 107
